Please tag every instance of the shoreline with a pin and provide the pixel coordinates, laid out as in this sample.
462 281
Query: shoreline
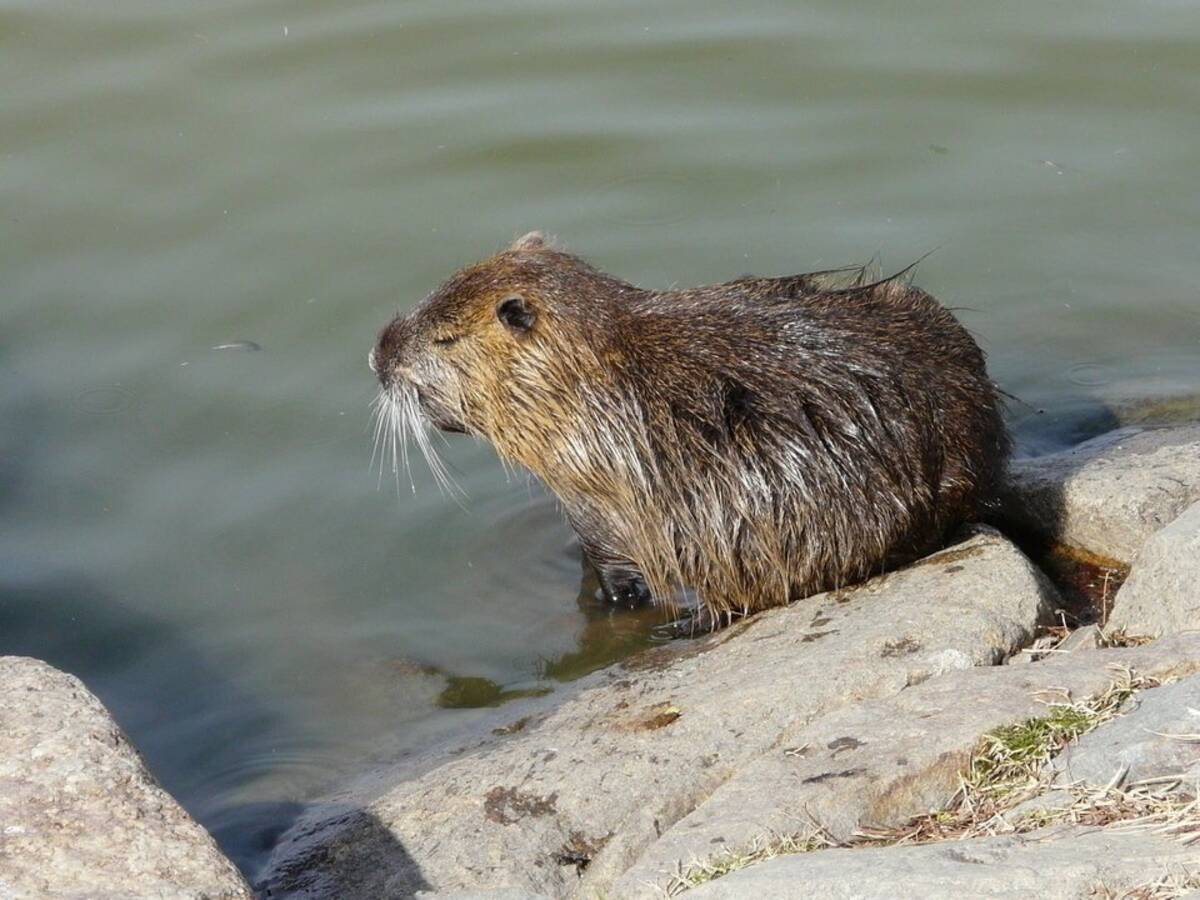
689 757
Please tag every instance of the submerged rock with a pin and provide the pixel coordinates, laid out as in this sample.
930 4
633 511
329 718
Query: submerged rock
1110 494
573 798
79 814
1162 594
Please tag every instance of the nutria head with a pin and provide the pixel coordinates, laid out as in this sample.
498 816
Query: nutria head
501 351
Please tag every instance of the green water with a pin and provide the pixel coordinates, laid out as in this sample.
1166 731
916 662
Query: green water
195 532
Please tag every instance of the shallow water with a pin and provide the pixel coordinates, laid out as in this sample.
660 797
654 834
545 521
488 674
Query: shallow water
195 531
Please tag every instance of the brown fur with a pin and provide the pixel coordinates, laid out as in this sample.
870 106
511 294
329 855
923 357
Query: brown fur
754 441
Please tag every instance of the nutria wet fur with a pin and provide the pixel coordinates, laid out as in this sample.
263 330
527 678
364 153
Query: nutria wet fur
754 441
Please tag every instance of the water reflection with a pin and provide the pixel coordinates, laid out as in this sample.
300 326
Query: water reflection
610 632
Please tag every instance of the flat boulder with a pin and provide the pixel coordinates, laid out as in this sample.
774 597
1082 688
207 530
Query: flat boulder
1109 495
877 764
565 793
1155 739
1059 862
1162 594
80 816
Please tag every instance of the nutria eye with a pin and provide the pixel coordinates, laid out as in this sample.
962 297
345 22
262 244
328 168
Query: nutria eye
446 341
515 314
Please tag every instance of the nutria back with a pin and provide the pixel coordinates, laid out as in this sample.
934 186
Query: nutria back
753 441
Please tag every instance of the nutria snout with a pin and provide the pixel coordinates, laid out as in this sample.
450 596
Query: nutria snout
754 441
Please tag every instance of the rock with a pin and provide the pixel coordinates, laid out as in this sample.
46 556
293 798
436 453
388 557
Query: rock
487 894
1162 594
1035 651
79 814
1155 739
575 794
1089 637
880 762
1110 494
1061 863
1137 742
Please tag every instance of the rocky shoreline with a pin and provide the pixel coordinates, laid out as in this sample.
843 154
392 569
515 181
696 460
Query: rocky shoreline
937 731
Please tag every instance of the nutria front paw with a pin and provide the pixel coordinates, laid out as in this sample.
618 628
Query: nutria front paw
627 589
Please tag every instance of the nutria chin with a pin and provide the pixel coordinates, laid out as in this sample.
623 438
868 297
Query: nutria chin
752 442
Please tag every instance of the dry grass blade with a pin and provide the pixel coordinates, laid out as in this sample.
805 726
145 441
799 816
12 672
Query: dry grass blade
1184 738
702 871
1168 886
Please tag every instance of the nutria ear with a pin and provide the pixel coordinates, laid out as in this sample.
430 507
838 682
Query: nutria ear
535 240
516 314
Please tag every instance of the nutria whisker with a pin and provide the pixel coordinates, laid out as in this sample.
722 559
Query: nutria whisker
377 426
385 429
407 421
387 425
400 433
382 430
400 430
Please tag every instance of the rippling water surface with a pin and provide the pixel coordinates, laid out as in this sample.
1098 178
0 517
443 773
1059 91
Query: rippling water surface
195 531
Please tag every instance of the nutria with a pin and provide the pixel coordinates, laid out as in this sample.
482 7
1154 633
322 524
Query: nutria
751 442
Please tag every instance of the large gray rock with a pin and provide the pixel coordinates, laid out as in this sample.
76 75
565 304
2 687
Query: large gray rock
1058 863
79 814
1162 594
1109 494
881 762
1156 738
568 795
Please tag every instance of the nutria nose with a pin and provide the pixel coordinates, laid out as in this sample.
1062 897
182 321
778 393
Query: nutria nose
386 357
377 362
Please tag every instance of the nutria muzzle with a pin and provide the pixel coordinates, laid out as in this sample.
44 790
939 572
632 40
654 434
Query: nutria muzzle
406 373
387 358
